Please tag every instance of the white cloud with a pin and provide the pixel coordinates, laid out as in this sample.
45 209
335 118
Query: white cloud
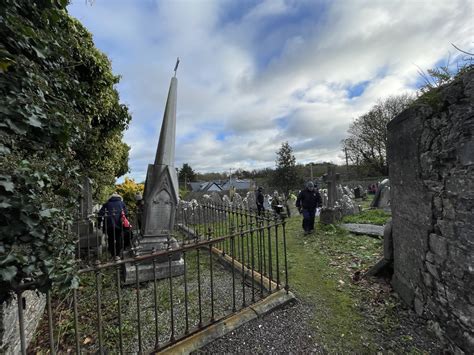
263 74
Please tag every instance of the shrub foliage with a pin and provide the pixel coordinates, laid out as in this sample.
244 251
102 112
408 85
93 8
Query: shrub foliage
61 121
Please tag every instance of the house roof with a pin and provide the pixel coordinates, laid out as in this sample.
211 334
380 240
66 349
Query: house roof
238 184
218 185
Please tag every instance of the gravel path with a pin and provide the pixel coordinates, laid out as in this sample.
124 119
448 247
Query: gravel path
284 330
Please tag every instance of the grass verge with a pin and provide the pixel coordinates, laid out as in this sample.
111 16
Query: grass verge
371 216
351 314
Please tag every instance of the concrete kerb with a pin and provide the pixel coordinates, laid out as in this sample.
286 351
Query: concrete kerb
226 325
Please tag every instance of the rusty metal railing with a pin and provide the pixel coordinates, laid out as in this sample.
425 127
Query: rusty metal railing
225 259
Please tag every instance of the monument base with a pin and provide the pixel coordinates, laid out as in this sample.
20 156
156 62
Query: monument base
329 215
145 271
149 245
91 240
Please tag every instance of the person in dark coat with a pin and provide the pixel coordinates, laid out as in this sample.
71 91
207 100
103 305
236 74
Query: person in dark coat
111 222
308 200
259 200
276 204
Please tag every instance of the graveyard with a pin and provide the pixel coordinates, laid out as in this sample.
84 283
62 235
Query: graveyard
330 211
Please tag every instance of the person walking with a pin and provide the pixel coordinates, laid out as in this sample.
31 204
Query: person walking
259 200
110 218
276 204
307 202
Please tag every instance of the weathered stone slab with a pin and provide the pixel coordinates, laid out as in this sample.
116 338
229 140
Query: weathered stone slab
367 229
145 271
34 303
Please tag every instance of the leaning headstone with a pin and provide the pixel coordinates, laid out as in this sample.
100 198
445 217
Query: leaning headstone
347 191
386 263
161 199
383 186
384 200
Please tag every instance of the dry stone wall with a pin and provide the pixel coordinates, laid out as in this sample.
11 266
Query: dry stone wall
431 166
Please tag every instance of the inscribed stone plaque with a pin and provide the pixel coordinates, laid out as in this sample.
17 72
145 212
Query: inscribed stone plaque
160 214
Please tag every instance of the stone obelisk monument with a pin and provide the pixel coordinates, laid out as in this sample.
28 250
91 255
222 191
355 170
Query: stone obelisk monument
161 199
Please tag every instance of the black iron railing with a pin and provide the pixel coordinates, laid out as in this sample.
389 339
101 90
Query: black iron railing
230 258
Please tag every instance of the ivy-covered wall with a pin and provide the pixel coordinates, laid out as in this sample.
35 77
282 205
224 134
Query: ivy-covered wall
61 120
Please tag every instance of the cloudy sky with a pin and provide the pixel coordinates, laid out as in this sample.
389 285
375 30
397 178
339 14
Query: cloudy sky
256 73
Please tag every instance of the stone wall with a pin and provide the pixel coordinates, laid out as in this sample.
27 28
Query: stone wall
431 165
33 308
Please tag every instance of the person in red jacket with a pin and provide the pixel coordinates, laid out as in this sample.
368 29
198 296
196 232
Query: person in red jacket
111 222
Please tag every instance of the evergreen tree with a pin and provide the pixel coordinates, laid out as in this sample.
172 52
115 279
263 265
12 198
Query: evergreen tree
186 174
285 176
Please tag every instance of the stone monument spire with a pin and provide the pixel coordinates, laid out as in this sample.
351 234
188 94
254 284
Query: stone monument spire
161 199
166 144
161 186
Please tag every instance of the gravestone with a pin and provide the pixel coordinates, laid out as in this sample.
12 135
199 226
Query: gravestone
357 192
339 192
348 206
251 200
90 238
330 214
347 191
237 200
216 198
267 202
324 197
226 200
161 199
384 201
291 203
382 196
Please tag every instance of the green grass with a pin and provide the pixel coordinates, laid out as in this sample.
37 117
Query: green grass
370 216
320 267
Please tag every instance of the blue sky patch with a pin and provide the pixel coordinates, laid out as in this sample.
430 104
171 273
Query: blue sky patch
358 89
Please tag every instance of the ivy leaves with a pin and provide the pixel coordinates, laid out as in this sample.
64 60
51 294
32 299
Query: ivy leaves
61 120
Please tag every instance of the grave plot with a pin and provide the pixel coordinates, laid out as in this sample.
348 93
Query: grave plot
232 258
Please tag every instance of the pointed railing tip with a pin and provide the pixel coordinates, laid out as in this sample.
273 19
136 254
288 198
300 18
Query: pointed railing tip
176 66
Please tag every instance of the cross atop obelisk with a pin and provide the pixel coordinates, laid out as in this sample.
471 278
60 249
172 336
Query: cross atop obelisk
176 66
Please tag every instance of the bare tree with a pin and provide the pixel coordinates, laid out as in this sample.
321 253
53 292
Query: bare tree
366 144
